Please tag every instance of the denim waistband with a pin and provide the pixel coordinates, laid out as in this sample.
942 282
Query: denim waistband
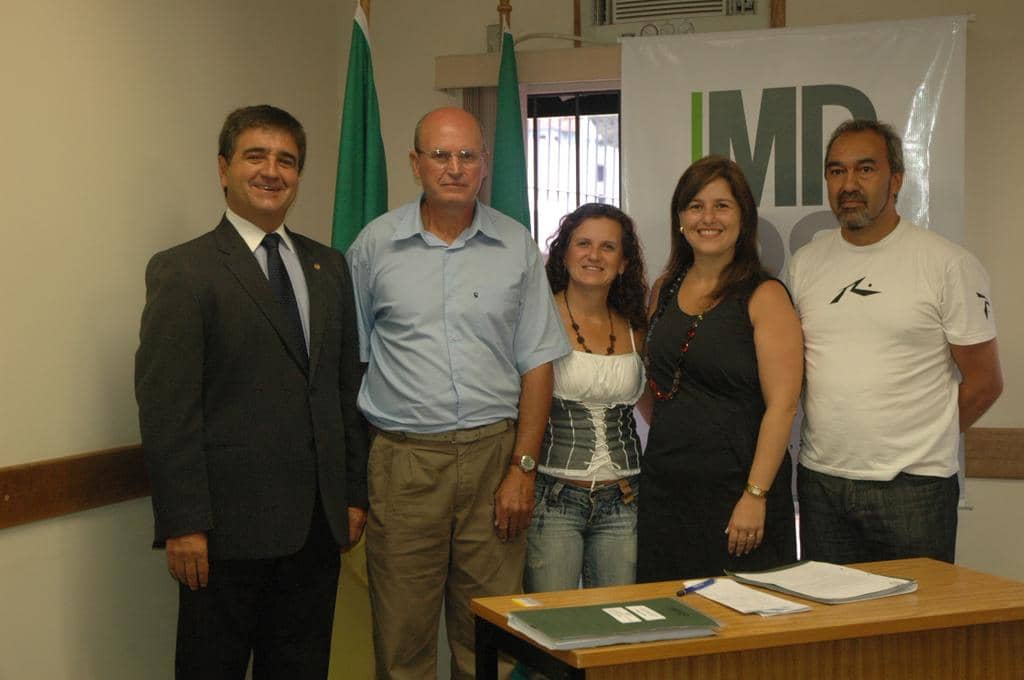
625 487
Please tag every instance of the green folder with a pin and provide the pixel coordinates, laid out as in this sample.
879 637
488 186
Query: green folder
611 623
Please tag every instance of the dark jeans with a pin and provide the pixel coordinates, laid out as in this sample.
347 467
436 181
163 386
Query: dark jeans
849 520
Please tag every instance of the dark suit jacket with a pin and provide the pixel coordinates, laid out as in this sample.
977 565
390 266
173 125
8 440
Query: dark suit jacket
237 434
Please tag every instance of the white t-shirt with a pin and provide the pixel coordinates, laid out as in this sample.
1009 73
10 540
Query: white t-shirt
880 393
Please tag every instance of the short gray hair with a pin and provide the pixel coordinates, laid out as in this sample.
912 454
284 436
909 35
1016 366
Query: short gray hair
893 142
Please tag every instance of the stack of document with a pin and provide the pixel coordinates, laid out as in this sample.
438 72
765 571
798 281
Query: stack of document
827 583
745 600
610 624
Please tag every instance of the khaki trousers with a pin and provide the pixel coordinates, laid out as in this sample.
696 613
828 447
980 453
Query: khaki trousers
430 538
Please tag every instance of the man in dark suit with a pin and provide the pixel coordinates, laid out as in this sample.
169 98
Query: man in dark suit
246 378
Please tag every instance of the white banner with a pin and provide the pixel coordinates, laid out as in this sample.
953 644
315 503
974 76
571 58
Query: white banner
770 99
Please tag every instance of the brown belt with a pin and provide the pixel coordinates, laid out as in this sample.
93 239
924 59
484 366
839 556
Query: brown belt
466 436
628 496
585 484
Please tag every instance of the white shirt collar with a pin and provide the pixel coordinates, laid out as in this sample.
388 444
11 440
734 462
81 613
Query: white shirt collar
253 235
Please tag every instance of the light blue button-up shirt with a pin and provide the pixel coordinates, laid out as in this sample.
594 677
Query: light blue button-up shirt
447 330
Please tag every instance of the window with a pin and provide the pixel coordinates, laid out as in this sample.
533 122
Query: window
572 155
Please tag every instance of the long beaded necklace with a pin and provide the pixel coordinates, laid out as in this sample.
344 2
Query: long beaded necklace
576 327
684 346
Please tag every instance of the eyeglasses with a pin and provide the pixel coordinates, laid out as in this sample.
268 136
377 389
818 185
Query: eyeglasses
467 157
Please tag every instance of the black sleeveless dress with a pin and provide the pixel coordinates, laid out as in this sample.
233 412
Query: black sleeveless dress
700 449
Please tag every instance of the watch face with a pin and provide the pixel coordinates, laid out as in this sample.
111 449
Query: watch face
527 463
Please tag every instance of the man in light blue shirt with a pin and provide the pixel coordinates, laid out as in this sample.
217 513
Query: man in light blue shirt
458 329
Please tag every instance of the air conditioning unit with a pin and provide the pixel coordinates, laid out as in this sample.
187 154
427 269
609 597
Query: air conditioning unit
610 19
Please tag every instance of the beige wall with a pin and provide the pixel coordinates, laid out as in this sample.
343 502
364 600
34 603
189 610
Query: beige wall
110 115
110 120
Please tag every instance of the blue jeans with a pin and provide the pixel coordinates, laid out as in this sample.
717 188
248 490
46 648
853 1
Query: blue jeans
850 520
578 534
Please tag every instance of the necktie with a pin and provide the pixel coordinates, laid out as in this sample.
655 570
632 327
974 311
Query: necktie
277 275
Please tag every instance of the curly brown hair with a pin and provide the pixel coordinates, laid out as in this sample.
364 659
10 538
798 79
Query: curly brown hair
628 294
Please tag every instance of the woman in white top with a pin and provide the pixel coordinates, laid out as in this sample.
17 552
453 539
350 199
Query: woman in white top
584 521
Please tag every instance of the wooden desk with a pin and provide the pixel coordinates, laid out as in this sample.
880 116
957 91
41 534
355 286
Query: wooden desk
960 624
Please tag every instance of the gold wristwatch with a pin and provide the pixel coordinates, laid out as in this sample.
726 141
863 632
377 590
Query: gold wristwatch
526 463
756 491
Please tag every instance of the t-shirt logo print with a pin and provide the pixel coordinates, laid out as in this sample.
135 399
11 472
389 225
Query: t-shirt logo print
863 292
988 303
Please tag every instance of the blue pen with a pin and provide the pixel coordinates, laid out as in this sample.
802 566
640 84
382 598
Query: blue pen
695 587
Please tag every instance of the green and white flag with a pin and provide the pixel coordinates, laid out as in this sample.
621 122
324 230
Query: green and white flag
508 179
361 188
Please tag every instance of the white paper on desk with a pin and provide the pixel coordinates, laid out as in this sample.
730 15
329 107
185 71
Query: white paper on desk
829 583
746 600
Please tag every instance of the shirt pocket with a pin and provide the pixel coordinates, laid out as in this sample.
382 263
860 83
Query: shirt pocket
497 307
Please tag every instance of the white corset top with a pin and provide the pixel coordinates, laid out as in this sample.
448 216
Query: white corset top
600 379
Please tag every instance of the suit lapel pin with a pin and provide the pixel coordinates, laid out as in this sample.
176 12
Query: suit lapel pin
316 266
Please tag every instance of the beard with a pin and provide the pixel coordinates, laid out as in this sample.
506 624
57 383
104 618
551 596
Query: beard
854 218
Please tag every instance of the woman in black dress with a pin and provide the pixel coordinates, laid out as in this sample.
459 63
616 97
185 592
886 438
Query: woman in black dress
725 366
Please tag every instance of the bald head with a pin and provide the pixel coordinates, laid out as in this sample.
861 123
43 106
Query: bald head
447 116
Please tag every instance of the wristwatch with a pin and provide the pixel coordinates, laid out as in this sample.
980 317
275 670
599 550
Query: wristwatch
756 491
526 463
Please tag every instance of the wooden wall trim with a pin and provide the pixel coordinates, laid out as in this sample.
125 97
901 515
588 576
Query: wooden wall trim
995 452
777 19
60 486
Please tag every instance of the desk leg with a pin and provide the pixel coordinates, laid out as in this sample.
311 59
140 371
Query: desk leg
491 639
486 650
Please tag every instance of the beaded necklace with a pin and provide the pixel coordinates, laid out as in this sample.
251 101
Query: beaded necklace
684 346
576 326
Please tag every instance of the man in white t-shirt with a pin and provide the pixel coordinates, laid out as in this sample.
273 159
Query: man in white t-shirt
901 356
